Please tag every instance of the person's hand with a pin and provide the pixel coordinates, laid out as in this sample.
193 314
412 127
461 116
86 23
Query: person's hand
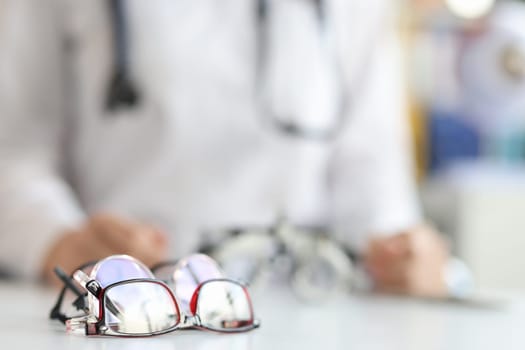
412 262
101 236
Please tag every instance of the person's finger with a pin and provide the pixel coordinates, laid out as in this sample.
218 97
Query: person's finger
160 237
387 251
394 246
142 241
123 236
400 245
410 263
154 235
149 246
71 250
389 262
398 273
114 232
393 288
93 246
376 253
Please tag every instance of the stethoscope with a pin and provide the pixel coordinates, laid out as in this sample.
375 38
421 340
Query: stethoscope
123 91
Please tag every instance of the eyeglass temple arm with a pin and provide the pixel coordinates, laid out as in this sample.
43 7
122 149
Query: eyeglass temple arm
55 313
68 284
68 281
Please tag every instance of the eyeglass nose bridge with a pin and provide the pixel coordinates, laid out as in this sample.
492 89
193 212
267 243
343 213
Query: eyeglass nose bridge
190 321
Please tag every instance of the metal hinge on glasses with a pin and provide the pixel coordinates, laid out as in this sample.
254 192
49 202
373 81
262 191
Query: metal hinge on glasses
82 325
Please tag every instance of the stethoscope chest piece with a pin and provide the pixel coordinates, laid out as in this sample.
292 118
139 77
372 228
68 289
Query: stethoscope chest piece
122 91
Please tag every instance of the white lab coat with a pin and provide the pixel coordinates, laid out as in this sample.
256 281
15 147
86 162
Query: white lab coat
196 154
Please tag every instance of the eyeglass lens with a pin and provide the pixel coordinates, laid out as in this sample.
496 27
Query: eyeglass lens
115 269
189 273
139 308
119 268
223 305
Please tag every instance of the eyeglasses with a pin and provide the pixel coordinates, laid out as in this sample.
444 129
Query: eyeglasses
112 269
183 276
146 306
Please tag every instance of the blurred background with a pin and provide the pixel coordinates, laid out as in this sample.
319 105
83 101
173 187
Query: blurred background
466 75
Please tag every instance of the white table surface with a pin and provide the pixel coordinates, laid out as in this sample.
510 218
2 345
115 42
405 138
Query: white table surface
349 322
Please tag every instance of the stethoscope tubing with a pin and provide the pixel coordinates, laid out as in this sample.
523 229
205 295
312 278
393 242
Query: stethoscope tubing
123 92
275 122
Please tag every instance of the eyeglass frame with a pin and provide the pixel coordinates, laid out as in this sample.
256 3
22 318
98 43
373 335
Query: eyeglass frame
81 302
99 327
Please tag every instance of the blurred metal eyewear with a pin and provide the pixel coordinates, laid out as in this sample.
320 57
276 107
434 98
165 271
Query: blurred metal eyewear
315 265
